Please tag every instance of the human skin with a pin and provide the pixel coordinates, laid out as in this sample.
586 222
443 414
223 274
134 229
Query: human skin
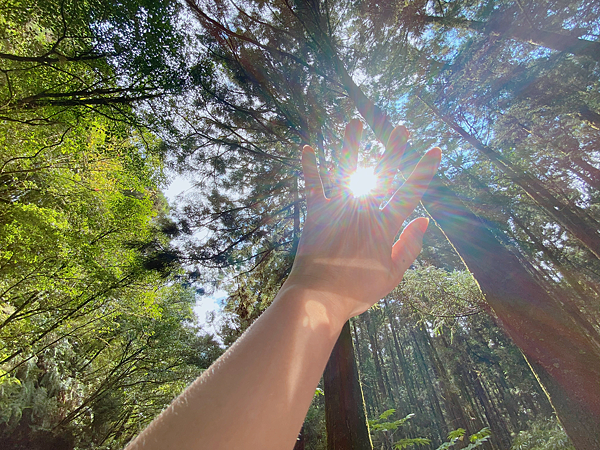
257 394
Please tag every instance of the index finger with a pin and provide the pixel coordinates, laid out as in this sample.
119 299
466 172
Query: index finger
408 196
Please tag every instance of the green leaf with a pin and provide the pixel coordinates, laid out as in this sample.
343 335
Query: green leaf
483 433
387 414
456 434
404 443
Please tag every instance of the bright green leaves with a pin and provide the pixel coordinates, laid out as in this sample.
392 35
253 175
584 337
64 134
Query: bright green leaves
459 435
85 325
382 426
409 442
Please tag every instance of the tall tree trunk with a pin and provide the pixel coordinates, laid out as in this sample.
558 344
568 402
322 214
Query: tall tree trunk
567 269
356 346
375 351
375 398
591 176
296 214
345 415
470 405
408 381
504 393
451 399
438 415
555 41
389 349
495 418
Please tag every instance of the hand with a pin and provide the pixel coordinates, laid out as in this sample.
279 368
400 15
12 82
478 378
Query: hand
347 252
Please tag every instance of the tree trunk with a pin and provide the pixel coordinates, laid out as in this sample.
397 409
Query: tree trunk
390 351
504 393
451 399
408 381
375 351
438 415
345 415
356 346
591 117
592 175
373 393
496 420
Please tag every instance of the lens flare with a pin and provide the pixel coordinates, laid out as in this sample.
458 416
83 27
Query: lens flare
362 181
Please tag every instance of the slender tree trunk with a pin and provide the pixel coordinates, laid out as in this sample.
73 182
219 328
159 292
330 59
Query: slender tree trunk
470 405
390 351
592 175
345 415
408 381
375 352
438 414
495 418
566 298
567 269
388 385
505 396
591 117
452 401
359 359
296 214
374 394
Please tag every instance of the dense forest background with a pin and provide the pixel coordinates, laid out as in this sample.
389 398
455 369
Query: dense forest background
493 337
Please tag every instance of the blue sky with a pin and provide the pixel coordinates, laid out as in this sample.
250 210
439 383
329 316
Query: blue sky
206 303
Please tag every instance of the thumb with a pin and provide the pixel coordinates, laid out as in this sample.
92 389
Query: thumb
408 246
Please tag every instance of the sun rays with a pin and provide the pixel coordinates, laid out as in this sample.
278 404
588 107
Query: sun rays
363 181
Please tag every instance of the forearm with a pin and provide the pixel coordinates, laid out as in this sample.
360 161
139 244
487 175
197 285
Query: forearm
257 394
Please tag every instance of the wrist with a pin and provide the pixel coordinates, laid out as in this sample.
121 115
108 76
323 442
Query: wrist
317 307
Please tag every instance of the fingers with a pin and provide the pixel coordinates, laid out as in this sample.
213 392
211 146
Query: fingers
390 162
408 246
405 199
349 156
312 179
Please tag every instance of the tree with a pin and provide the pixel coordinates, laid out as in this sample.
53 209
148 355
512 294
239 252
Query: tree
78 57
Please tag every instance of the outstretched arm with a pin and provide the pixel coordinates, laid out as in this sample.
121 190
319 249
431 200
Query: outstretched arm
257 394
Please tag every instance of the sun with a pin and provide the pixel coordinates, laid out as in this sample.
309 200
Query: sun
362 181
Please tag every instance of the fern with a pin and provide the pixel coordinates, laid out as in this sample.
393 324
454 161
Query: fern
404 443
476 439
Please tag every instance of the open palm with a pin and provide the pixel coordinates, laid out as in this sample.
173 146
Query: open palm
347 251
